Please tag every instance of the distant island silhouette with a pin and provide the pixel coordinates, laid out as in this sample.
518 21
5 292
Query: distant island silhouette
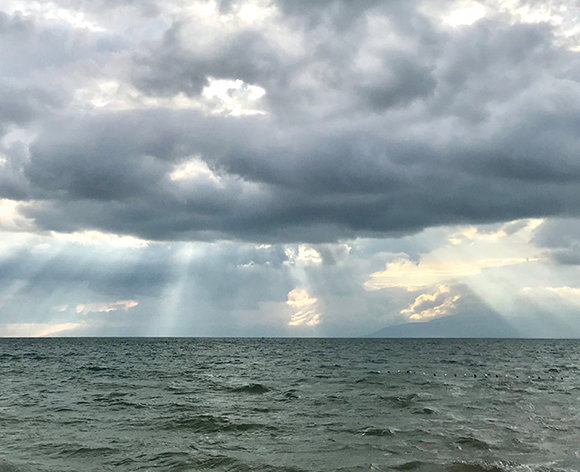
465 325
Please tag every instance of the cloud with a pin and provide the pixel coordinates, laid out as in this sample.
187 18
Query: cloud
468 253
106 307
472 233
402 104
570 294
560 237
303 255
10 218
405 273
305 308
426 305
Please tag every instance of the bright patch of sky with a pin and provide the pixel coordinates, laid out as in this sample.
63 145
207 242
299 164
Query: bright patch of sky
37 330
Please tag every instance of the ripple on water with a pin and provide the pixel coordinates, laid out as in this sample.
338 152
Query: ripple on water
212 424
185 405
253 388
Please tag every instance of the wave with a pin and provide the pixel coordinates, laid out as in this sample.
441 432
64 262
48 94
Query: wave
400 401
380 432
212 424
85 451
496 466
253 388
473 443
11 467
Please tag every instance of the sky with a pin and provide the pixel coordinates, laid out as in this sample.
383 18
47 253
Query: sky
288 168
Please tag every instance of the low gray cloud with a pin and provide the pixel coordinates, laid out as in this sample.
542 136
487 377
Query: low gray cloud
560 237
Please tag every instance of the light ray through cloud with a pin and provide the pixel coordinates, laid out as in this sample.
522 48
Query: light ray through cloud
173 302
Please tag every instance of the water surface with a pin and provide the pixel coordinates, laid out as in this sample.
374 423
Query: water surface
289 405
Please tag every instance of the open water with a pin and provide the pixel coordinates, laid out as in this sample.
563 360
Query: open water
289 405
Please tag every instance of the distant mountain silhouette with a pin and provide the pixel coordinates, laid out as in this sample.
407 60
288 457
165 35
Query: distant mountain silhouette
465 325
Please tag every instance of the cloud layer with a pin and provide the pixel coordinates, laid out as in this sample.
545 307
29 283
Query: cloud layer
315 123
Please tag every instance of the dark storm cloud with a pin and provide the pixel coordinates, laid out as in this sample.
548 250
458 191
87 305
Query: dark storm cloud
380 122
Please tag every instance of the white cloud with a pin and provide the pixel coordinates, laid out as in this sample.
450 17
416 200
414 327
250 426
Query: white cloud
11 219
99 238
303 255
305 307
193 168
232 97
107 94
407 274
465 13
569 294
429 305
470 251
106 307
473 233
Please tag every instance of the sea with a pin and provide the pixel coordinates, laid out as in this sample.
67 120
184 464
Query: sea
144 404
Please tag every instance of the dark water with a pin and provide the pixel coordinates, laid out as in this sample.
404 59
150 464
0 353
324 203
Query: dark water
289 404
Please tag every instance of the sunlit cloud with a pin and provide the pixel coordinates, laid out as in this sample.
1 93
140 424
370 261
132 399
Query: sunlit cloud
569 294
562 15
254 12
303 255
305 307
473 233
193 168
99 238
233 97
106 307
412 276
464 13
11 219
107 94
429 305
471 250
